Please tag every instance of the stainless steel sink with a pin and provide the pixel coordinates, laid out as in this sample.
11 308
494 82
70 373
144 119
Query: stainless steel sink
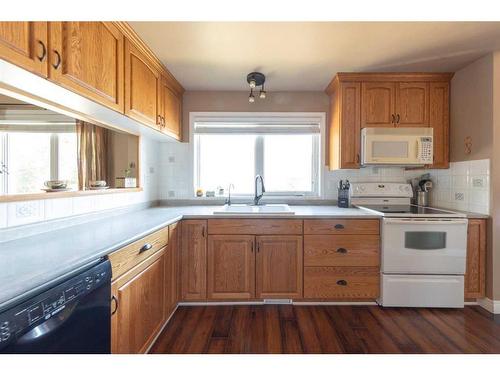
246 209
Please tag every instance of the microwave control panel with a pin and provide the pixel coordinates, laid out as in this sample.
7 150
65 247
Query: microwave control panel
425 150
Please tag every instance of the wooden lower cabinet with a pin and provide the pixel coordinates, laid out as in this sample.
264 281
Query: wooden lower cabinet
279 267
231 267
138 299
194 260
344 283
341 250
475 273
171 269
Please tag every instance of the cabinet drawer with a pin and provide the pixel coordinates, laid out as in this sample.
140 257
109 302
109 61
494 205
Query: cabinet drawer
127 257
254 226
341 282
341 226
341 250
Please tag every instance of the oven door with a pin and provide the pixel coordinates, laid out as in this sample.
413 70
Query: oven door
424 246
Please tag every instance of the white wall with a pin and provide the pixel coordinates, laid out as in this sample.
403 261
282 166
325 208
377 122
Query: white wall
27 212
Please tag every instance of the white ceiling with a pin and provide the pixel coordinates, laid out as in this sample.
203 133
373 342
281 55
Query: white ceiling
298 56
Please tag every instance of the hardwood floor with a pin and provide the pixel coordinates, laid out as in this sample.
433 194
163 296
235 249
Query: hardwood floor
328 329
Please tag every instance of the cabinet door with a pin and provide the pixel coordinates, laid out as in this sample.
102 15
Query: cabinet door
194 260
172 111
87 58
279 266
440 123
142 86
139 311
412 104
25 44
171 269
377 104
475 272
350 125
231 267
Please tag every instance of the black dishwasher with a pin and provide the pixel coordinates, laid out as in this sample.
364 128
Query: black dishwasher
72 317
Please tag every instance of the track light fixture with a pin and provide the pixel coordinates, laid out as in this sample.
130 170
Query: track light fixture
254 80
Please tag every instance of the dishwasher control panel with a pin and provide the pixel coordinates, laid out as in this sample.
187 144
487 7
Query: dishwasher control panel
25 316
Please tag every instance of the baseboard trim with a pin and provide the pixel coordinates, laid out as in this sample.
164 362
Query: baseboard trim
300 303
333 303
493 306
221 303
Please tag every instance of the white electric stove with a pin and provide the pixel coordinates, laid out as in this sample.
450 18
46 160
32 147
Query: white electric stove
423 249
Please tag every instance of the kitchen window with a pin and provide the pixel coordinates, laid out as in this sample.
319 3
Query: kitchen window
28 159
284 149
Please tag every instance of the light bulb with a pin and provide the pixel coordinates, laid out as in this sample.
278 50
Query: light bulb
251 98
252 84
262 94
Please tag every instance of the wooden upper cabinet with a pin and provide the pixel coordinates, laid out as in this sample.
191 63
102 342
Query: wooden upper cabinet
25 44
363 100
475 273
345 125
139 311
142 86
440 122
279 267
378 104
87 58
231 267
170 107
194 260
412 104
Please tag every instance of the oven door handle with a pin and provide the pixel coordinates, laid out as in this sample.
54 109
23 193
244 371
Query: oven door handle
425 222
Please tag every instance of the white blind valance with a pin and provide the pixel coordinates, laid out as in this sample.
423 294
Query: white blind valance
263 125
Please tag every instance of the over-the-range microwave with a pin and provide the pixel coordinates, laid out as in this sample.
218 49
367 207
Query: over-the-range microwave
396 146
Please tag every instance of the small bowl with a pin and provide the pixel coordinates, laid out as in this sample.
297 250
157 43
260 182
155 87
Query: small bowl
98 183
56 184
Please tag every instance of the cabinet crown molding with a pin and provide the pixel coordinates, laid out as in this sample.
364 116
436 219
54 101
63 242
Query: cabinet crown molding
388 77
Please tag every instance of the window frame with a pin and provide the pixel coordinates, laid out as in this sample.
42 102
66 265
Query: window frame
286 118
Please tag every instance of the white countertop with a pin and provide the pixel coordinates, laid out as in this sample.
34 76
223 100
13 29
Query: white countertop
32 264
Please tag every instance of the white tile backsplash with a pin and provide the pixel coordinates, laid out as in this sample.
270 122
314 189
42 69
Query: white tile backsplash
57 208
20 213
464 186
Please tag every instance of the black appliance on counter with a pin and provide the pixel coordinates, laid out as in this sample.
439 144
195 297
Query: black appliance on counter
343 194
72 317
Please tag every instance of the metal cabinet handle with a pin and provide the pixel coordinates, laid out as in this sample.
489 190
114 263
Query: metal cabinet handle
253 244
397 118
203 232
258 247
158 120
339 226
393 121
113 298
357 158
59 60
341 250
146 247
341 282
44 51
